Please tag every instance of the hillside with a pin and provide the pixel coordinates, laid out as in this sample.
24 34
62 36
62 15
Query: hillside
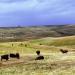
45 45
55 62
68 41
34 32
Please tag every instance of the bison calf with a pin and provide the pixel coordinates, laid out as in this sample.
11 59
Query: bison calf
6 57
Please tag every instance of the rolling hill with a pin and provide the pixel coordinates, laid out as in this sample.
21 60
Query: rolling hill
34 32
50 40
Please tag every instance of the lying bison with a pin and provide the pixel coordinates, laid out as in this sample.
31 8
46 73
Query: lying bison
39 57
12 55
63 51
6 57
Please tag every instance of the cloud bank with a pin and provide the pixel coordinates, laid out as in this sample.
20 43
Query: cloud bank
36 12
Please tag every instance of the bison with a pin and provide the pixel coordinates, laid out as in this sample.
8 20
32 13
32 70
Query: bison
63 51
12 55
6 57
38 52
39 57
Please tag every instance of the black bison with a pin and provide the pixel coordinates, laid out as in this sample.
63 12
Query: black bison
63 51
15 55
39 57
6 57
38 52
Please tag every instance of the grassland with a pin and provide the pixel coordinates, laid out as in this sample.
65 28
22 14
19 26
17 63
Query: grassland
55 63
9 34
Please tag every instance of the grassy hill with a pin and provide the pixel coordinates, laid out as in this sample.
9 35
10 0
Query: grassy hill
46 45
55 63
57 41
27 40
35 32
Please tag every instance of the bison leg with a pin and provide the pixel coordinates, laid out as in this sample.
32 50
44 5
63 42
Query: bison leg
7 59
1 59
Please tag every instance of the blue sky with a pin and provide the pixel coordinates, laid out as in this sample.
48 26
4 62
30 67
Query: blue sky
36 12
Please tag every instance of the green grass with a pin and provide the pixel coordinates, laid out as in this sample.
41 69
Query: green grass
55 63
47 45
61 41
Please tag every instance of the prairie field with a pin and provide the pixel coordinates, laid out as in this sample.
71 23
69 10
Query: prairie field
55 62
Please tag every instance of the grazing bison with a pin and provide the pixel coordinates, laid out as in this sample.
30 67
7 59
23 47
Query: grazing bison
15 55
63 51
6 57
39 57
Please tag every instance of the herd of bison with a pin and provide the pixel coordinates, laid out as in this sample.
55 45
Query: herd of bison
17 55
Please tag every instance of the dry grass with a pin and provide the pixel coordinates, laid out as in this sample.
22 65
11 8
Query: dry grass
55 63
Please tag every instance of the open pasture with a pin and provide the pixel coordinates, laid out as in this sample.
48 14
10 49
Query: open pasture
55 62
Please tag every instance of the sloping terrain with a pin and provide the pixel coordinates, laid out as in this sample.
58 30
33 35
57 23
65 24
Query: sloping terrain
34 32
68 41
46 45
55 62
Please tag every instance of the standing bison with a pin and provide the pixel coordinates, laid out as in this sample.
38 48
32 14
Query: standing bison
39 57
15 55
6 57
